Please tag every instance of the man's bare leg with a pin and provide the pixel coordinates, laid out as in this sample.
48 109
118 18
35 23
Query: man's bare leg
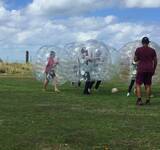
148 93
138 92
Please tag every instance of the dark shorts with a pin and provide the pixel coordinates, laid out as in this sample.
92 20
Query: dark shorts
50 75
86 76
144 78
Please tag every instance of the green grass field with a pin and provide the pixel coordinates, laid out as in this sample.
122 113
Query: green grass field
31 119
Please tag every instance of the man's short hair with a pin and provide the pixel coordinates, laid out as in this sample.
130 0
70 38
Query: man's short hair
145 40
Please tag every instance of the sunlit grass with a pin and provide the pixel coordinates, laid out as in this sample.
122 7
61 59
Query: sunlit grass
15 69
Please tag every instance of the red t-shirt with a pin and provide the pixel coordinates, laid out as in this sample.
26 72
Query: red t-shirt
145 56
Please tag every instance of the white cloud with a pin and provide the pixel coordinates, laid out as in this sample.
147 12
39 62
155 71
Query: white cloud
142 3
110 19
42 31
84 36
72 7
65 7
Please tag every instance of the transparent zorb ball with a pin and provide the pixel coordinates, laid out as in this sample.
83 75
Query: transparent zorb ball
127 53
114 68
41 59
90 59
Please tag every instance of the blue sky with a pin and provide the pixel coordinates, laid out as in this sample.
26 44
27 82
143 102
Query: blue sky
17 4
131 14
29 24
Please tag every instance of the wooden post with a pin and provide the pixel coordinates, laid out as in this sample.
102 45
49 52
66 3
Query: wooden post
27 56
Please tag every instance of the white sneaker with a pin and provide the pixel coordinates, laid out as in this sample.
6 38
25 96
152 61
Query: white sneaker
128 94
151 96
56 90
89 90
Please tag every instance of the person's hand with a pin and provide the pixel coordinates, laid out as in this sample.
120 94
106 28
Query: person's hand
56 61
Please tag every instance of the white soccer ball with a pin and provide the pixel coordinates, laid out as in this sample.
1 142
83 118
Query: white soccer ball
114 90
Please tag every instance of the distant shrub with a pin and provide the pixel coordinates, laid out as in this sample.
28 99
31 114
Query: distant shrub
15 68
2 70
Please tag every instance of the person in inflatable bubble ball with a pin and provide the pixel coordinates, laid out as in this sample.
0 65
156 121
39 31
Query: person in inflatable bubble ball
133 77
85 68
50 71
96 62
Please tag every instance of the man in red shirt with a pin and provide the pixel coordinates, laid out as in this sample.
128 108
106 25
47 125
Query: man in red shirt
147 62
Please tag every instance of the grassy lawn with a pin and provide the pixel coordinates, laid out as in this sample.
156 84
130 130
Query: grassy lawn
31 119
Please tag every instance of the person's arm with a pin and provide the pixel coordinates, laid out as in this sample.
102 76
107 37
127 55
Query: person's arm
55 62
79 69
48 61
155 63
47 66
89 57
136 56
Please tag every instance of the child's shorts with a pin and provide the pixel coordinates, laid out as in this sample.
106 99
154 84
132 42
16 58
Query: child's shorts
50 75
